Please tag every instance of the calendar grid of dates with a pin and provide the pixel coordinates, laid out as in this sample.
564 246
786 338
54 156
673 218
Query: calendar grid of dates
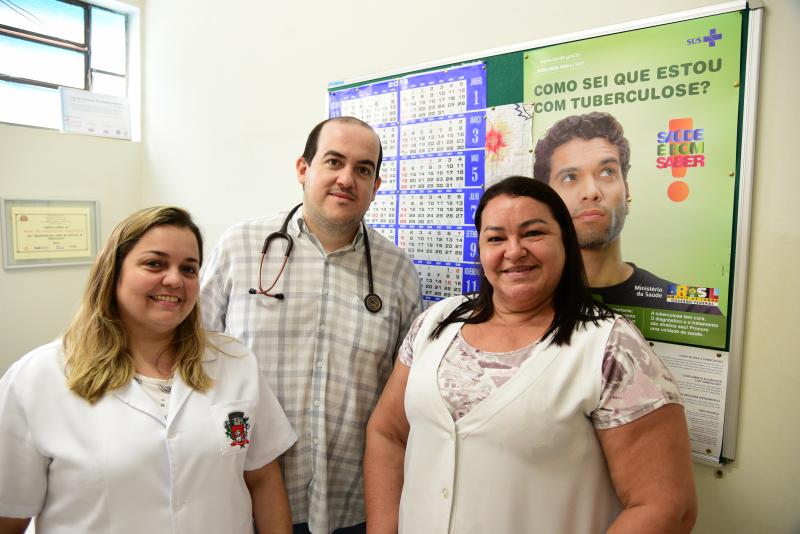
432 128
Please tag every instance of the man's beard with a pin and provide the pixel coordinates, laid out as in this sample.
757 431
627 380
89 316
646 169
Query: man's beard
342 227
597 238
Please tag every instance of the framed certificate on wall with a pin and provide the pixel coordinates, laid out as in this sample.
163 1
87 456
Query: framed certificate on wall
48 233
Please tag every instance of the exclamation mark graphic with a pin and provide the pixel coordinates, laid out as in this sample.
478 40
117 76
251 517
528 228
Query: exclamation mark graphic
678 190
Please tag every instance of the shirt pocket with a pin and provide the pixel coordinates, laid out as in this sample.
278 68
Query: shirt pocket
372 332
233 424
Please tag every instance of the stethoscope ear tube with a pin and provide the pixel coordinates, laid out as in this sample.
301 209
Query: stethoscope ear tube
278 235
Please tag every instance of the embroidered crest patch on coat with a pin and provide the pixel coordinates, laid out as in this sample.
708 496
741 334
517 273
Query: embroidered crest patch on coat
237 428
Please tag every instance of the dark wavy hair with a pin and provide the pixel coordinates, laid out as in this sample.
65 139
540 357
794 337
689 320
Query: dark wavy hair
587 127
312 141
572 301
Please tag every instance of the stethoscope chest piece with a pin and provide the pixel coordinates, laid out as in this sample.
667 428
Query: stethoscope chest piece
373 302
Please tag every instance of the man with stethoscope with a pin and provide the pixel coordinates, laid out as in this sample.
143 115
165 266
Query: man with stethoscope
324 301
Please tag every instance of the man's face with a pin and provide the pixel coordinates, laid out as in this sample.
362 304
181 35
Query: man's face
340 181
588 176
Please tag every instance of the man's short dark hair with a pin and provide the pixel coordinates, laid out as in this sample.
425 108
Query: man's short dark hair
588 126
313 139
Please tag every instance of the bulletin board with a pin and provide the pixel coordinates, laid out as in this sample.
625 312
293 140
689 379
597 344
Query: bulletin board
683 89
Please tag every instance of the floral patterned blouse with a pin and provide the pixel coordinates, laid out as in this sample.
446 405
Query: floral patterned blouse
635 381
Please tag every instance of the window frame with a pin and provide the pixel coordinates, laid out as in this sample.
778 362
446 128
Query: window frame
131 74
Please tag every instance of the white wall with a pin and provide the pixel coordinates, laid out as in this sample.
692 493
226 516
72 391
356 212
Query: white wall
37 304
231 89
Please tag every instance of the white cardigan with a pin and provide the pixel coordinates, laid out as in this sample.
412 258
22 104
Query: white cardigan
526 459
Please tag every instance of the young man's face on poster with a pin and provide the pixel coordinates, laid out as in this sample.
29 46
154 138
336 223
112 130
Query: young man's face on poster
588 176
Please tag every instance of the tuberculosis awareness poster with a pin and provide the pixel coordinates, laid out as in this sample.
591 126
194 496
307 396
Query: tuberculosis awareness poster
638 132
674 91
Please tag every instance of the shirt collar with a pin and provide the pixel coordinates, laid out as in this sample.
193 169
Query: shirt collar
297 225
297 228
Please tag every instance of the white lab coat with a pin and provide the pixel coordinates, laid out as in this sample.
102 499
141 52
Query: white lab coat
117 466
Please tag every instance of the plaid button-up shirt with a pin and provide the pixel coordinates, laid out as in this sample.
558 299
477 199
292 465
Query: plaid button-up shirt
325 356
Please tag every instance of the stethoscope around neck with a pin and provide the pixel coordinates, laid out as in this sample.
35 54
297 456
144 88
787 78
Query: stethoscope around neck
372 302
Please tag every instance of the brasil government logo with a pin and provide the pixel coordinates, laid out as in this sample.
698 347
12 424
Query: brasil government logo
703 296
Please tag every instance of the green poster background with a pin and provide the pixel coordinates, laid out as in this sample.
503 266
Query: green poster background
687 242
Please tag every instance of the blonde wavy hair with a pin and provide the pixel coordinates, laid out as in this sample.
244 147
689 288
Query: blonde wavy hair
96 343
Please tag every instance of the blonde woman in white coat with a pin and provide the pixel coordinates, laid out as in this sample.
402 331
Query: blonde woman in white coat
139 421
